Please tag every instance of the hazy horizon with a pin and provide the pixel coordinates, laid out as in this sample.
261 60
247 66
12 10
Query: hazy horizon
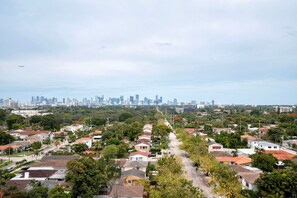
235 52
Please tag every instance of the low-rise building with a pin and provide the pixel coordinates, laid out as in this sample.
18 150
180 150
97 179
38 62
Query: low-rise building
139 156
138 165
85 140
143 146
130 177
213 146
241 160
119 191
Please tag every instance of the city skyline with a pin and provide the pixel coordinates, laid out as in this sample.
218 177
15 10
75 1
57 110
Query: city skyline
236 52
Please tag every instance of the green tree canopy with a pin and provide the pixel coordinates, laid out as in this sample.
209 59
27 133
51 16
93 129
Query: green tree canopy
110 151
5 138
13 119
58 192
264 161
38 192
79 148
280 183
36 145
88 176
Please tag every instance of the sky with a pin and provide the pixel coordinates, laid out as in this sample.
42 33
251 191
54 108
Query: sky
230 51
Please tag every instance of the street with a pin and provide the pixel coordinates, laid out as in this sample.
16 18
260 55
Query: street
189 169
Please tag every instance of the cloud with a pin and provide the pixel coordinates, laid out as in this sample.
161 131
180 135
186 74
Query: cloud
147 46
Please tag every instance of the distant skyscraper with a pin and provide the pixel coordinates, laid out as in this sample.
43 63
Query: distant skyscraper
212 102
137 98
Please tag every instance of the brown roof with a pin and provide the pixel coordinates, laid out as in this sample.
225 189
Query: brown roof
280 154
121 162
126 191
250 176
40 173
52 163
221 154
60 157
238 168
248 137
20 184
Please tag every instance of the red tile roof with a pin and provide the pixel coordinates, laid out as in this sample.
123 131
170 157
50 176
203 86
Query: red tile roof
238 160
280 154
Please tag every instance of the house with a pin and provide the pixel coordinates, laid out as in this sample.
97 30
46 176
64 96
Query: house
17 146
248 180
57 162
20 185
130 177
213 146
139 156
191 131
96 136
221 154
85 140
148 128
3 148
119 191
145 137
138 165
280 155
72 128
43 135
267 145
143 146
241 160
220 130
252 141
38 175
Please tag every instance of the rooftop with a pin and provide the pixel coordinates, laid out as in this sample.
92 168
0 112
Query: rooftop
143 153
250 176
238 160
280 154
127 191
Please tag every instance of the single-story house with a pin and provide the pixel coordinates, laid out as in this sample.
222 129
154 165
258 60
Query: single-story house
240 160
130 177
213 146
139 156
138 165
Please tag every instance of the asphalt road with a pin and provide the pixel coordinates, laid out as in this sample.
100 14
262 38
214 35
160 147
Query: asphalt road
189 169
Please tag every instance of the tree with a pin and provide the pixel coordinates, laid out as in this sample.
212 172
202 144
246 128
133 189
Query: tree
5 138
88 176
264 161
98 121
280 183
9 151
36 145
125 116
79 148
38 192
35 119
110 151
122 150
275 134
58 192
50 122
14 119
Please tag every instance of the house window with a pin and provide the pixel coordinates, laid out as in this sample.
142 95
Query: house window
247 184
275 147
269 146
129 181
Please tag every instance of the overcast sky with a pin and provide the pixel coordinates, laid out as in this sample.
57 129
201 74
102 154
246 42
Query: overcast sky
232 51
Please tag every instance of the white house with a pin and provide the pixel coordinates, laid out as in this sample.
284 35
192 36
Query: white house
267 145
213 146
139 156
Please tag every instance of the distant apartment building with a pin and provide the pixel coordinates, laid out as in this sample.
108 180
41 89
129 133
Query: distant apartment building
29 113
283 109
